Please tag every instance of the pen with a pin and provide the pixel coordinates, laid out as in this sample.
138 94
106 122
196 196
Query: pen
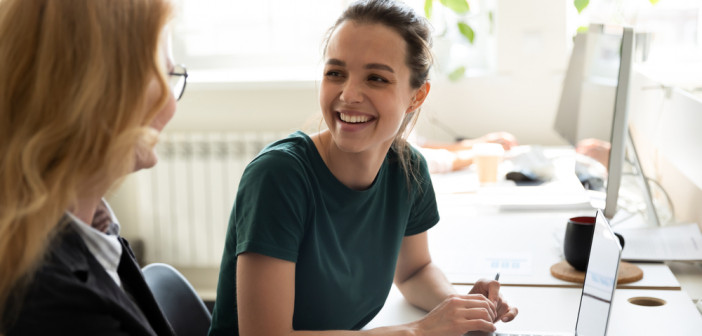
497 278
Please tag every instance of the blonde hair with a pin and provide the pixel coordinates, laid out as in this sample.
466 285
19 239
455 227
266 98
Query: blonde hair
73 110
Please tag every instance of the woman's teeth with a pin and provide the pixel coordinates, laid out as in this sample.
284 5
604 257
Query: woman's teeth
353 119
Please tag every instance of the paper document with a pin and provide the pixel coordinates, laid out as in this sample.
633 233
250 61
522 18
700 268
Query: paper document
468 266
462 181
554 196
680 243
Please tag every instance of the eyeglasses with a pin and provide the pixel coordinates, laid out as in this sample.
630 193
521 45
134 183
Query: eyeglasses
177 80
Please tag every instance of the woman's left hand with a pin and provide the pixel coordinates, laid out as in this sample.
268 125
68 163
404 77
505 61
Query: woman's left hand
491 290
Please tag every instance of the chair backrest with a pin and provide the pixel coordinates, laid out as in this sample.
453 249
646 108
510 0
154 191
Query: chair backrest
183 307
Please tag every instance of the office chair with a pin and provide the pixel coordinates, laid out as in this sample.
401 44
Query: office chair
183 307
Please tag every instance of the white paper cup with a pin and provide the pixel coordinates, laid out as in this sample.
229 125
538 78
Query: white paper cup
487 158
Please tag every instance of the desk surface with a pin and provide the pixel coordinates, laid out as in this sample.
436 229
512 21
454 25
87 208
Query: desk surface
473 241
690 276
556 309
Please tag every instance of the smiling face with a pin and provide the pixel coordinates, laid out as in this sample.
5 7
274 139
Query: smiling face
365 92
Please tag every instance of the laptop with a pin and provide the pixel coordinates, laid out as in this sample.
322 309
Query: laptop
598 288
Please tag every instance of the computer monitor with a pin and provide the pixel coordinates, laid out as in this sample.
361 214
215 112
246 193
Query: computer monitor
587 99
620 123
566 123
594 102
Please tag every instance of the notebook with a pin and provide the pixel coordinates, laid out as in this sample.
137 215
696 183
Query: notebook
598 288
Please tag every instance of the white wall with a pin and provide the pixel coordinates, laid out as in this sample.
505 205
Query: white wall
240 107
521 97
522 104
665 126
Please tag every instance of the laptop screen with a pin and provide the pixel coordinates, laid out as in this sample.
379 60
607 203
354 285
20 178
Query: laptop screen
600 280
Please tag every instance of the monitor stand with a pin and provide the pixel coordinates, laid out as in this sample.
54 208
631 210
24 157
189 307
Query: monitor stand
651 215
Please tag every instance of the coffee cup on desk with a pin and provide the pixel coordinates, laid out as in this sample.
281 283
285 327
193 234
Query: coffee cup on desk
487 157
578 240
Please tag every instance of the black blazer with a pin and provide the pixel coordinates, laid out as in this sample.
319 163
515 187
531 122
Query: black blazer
71 294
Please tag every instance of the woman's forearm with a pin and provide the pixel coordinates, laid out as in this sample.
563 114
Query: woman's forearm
426 288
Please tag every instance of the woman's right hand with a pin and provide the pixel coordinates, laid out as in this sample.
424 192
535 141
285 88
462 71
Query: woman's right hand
459 314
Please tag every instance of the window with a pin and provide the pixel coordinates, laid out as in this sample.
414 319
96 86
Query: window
273 40
252 39
666 29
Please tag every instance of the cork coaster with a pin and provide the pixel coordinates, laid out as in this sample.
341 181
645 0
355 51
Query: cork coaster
627 272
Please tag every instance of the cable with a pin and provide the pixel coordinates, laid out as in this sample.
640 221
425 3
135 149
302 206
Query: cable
667 196
668 199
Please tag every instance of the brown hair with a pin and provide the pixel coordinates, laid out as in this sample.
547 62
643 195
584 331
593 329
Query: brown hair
73 108
416 32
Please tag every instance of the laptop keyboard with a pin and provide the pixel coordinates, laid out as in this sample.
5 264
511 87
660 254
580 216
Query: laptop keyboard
514 333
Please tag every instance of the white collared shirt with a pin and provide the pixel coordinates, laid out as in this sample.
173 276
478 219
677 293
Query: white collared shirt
106 248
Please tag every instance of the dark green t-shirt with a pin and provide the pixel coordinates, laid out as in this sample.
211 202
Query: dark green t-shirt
344 242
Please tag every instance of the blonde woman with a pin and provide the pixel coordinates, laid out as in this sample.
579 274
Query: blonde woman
85 87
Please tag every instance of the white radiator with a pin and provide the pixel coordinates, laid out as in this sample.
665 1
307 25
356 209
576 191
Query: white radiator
185 200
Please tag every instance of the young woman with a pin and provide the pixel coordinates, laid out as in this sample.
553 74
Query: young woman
85 88
323 224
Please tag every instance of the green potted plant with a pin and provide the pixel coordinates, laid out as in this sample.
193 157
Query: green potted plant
452 19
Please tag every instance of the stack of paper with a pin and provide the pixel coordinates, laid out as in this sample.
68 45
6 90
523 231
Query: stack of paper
552 196
677 243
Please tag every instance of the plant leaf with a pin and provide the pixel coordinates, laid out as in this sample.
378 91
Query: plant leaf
653 2
582 29
491 17
581 4
466 31
428 8
457 73
458 6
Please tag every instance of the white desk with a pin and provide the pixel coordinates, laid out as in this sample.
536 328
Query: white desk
473 241
556 309
690 276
